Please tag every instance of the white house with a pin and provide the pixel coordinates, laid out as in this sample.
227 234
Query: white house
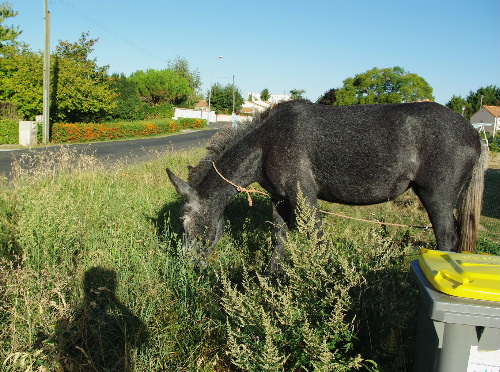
488 117
253 107
273 99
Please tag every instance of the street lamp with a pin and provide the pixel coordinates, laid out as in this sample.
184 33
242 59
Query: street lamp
210 87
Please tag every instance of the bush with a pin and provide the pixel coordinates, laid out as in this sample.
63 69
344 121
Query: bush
108 131
9 131
186 123
161 111
494 142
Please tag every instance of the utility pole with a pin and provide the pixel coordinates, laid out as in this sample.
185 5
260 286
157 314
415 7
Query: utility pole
234 97
46 76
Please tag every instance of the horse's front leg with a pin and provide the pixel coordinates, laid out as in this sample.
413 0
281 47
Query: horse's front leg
282 217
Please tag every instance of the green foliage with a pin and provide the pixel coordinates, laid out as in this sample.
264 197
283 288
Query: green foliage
388 85
161 86
128 104
329 98
488 246
92 277
80 89
160 111
489 95
8 34
300 322
494 142
180 66
9 131
459 105
297 93
8 110
221 98
22 82
265 95
79 132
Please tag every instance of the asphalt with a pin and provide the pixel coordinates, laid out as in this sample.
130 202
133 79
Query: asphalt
127 151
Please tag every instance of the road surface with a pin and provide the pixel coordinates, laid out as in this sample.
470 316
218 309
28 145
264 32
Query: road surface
136 150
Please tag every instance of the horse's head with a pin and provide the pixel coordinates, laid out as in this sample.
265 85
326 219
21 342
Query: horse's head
203 222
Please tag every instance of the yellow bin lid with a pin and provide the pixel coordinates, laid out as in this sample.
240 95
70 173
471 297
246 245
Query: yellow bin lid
462 274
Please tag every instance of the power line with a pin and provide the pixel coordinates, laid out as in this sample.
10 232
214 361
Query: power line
111 32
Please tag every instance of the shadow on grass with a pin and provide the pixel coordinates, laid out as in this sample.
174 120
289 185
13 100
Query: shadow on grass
101 332
491 198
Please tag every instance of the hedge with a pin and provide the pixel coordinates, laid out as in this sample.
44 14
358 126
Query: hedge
80 132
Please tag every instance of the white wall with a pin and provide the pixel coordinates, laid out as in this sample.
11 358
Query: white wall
202 114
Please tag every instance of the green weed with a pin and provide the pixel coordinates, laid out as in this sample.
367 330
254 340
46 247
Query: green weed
92 278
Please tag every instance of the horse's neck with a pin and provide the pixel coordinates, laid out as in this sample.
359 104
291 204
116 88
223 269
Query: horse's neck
234 169
243 166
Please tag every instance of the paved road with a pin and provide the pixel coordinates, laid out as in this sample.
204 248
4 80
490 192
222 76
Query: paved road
131 150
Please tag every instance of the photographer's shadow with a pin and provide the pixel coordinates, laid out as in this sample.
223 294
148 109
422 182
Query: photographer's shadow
102 332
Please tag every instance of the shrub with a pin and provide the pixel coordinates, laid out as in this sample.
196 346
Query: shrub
109 131
298 322
494 142
161 111
9 131
192 123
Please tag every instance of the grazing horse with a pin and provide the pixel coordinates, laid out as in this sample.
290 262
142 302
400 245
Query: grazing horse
356 155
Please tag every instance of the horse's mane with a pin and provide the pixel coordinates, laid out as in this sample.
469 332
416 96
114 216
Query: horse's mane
223 140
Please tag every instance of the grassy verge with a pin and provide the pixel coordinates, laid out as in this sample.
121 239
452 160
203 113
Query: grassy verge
92 279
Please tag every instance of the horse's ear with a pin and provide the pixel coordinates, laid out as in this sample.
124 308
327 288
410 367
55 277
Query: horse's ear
181 186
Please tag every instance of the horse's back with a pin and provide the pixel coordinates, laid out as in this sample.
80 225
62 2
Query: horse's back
365 154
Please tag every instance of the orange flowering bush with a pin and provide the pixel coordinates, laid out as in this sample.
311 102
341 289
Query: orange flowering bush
79 132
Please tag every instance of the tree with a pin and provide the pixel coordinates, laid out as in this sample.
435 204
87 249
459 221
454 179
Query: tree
458 104
181 67
8 34
329 98
21 82
489 95
222 99
264 95
297 93
128 104
388 85
161 86
80 89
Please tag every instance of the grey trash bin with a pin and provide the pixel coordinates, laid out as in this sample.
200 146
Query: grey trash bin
455 334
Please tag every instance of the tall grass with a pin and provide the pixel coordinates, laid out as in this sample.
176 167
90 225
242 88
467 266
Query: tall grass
92 278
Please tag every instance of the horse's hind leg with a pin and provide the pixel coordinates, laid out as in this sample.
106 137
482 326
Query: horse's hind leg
439 207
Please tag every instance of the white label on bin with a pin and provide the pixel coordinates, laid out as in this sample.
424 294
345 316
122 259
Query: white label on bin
483 361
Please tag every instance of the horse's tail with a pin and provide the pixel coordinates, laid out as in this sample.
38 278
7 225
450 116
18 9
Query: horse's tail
469 211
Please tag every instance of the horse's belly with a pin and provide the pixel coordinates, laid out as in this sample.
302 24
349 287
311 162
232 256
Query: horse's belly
363 193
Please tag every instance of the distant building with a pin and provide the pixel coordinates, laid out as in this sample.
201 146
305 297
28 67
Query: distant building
253 107
488 117
274 99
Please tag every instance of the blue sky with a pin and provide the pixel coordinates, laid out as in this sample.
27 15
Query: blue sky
284 44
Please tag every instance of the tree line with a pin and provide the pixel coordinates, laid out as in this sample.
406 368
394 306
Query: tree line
83 91
395 85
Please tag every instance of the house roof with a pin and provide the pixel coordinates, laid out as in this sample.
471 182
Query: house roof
493 110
